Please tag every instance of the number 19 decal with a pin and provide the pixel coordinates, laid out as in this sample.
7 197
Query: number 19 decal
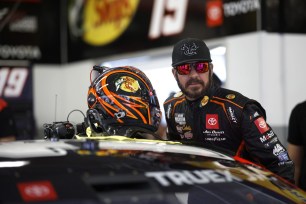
12 81
168 17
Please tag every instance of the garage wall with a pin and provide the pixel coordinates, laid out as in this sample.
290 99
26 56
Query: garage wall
264 66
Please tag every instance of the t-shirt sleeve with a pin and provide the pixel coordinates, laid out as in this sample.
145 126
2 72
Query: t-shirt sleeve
296 120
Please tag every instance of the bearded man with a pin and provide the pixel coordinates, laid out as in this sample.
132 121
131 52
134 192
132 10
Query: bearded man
218 118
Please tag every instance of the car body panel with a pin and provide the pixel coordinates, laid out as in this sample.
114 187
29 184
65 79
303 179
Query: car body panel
123 170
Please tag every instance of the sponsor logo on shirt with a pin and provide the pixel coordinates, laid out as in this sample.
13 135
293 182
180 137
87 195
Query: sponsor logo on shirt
230 96
267 136
232 115
168 112
261 125
255 115
204 101
184 131
280 152
273 141
212 121
180 118
213 133
179 128
188 135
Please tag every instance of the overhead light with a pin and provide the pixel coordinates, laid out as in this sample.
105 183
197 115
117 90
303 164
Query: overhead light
220 50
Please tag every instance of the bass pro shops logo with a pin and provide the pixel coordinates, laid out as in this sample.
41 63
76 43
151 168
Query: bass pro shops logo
127 84
105 21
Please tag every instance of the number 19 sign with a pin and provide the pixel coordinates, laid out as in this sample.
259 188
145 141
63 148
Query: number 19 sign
12 81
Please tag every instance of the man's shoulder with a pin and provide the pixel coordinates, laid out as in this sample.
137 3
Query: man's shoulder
299 109
231 96
178 96
301 105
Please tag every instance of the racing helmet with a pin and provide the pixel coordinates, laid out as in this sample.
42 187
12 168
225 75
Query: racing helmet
122 97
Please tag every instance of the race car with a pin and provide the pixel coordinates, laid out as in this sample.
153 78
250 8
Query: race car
117 169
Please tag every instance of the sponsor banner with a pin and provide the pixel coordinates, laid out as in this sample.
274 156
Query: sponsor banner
54 31
284 16
102 28
30 30
16 87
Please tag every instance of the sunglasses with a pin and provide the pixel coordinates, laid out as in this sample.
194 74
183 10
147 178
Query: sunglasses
185 69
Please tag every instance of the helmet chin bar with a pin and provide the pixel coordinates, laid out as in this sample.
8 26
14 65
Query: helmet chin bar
94 120
95 123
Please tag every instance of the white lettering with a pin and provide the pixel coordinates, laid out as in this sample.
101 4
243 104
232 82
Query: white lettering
196 177
4 72
170 22
240 7
192 177
12 81
159 176
214 177
178 178
19 52
27 24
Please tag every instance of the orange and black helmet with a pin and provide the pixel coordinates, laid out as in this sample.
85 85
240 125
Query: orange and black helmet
123 96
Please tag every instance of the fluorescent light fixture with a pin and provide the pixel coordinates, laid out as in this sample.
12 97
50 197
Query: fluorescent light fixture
220 50
218 55
126 62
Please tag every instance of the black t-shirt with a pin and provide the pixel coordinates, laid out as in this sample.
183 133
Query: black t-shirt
297 135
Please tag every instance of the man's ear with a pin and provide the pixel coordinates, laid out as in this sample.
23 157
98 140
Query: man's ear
174 72
211 67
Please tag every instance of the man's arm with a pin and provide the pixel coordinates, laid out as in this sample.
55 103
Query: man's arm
296 153
263 144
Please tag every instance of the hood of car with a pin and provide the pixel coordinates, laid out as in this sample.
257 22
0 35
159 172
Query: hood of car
118 169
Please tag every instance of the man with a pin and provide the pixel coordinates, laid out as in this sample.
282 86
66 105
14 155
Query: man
297 143
7 125
216 117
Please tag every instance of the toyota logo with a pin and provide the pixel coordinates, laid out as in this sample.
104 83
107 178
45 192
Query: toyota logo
262 124
212 121
37 191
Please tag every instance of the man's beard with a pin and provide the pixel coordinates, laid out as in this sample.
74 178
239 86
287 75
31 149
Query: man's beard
195 93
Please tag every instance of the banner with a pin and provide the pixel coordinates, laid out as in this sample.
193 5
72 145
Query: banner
101 28
56 32
16 87
30 30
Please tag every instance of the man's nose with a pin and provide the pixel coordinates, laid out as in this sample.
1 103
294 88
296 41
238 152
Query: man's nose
193 72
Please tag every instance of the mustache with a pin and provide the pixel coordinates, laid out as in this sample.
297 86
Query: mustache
191 81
